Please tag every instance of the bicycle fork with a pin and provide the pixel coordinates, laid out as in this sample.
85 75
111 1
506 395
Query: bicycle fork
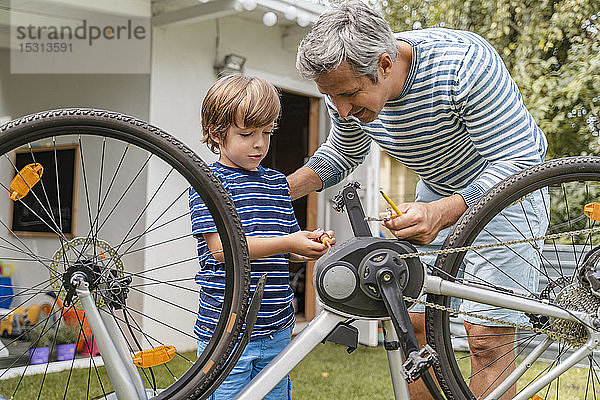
121 371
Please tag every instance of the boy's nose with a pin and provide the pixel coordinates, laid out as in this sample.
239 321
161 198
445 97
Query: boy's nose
260 143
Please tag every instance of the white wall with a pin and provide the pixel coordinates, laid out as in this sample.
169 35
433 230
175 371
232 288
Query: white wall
182 72
22 94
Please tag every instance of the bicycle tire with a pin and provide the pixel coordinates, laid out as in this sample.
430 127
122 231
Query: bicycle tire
564 179
135 140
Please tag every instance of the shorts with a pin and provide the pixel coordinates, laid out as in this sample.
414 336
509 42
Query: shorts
257 354
520 264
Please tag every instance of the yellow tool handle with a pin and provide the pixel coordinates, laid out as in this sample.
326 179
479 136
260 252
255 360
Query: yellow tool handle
391 203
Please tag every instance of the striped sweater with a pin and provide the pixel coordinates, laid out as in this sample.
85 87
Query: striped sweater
459 122
262 200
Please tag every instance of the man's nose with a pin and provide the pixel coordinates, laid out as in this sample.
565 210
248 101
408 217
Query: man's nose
343 107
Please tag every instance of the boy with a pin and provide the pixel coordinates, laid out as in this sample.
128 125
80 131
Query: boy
238 117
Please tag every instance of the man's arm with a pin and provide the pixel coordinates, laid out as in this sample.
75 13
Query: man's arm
304 181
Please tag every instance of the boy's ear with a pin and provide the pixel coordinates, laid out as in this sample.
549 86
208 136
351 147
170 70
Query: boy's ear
212 135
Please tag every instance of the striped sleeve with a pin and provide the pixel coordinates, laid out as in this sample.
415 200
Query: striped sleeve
500 127
345 148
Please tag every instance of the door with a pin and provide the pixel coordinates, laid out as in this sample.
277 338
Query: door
295 139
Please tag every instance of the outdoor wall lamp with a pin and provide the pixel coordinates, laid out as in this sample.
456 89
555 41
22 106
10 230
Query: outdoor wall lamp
231 64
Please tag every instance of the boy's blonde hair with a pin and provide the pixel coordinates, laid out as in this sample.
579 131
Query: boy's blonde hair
239 100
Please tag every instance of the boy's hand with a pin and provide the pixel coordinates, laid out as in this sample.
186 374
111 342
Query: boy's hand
304 244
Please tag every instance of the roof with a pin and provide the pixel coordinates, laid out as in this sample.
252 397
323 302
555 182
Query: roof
182 12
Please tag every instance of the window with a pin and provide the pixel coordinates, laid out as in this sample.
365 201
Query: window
49 206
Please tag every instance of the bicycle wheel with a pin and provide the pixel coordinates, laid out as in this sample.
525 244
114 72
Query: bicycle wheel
474 361
112 203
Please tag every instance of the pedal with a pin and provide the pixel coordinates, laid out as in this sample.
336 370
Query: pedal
418 362
153 357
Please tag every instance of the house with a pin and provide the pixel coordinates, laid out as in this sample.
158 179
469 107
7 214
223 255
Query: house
190 42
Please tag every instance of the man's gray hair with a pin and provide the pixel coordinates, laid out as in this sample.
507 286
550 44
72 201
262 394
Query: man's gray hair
349 31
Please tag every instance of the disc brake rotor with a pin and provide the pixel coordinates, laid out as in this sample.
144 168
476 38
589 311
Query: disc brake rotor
106 263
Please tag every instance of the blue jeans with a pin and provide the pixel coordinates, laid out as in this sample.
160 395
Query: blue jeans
257 354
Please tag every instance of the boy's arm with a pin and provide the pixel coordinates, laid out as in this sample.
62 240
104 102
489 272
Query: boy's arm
300 242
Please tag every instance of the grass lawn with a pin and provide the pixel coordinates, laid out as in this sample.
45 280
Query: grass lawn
327 373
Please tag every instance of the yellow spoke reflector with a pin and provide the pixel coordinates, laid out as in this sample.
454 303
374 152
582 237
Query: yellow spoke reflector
153 357
25 180
592 210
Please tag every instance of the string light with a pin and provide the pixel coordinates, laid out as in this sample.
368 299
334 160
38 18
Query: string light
270 18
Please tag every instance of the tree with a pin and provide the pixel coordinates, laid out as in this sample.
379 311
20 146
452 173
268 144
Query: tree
551 48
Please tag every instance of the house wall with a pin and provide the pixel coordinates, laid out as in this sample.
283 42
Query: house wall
182 72
28 93
22 94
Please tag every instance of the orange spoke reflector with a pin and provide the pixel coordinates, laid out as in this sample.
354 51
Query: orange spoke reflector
153 357
535 397
25 180
592 210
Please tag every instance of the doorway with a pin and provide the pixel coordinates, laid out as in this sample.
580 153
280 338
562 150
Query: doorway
295 139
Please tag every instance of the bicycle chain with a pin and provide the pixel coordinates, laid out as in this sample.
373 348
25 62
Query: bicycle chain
556 335
552 333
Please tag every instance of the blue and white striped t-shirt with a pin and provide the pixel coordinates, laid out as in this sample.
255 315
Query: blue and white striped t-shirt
459 122
262 200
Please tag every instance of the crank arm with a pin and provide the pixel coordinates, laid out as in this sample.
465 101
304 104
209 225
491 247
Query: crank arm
391 293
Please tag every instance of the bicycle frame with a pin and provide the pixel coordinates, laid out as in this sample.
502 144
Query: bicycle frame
327 320
128 384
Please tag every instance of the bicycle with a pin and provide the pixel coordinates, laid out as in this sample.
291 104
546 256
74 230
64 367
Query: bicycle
116 275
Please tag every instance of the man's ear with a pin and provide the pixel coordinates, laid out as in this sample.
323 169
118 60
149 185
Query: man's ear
385 65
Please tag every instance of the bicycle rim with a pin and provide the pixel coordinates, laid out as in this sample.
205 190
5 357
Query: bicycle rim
570 183
112 202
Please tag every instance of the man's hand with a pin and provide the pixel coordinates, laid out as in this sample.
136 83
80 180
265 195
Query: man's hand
420 223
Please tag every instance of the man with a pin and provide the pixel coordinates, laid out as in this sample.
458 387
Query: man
441 102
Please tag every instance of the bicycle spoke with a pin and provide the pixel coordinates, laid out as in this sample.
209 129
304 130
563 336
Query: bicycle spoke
155 220
168 241
132 244
141 214
133 181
